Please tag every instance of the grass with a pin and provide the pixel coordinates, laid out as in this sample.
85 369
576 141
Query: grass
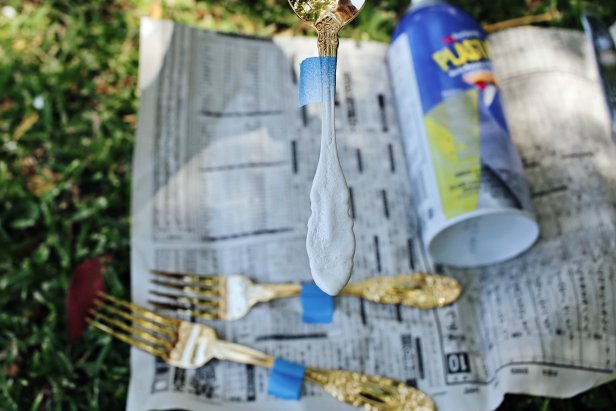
68 108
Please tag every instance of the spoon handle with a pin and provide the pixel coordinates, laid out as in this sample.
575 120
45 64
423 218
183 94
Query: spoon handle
330 241
327 31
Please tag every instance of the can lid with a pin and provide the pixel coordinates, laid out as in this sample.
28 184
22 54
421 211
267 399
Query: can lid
483 237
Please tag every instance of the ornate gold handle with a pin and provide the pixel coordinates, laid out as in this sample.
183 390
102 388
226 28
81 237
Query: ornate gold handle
327 31
369 391
415 290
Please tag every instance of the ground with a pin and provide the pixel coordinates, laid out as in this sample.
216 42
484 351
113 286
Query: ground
68 107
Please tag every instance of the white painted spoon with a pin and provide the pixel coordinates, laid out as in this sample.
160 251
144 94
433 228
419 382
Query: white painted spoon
330 242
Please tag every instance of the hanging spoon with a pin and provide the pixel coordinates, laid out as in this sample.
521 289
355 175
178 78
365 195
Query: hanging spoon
330 242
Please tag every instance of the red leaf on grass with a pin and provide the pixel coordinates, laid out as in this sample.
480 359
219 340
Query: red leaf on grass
86 283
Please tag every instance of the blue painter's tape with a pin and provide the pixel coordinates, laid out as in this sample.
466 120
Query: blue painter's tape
317 80
285 380
317 306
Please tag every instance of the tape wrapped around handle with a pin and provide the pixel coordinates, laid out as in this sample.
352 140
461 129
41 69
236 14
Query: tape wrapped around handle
286 379
317 306
316 74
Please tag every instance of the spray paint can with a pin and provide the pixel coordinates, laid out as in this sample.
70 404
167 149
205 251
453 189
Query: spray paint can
472 199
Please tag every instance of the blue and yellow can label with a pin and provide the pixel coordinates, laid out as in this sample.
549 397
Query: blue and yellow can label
460 156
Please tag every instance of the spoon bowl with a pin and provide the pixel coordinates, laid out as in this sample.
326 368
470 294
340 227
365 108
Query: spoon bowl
313 11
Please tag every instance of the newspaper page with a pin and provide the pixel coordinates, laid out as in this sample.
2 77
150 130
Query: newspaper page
543 323
223 166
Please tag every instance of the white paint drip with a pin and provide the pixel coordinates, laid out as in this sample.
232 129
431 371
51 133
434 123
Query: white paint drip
193 339
330 242
237 297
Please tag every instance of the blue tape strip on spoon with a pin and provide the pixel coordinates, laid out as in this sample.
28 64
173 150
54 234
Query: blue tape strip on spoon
317 306
312 83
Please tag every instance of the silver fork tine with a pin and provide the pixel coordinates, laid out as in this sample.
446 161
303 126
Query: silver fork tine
145 323
204 314
128 339
191 278
139 330
205 291
140 333
192 301
150 315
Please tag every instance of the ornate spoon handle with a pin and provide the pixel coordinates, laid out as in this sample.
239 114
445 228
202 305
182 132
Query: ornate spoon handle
327 32
330 241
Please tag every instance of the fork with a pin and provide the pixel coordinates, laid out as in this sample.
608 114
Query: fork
232 297
190 345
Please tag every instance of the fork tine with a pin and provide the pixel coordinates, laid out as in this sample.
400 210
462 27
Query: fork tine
192 301
204 280
128 339
150 315
204 291
142 335
204 314
142 322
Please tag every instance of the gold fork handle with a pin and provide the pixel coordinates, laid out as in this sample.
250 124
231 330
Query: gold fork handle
360 390
267 292
415 290
225 350
369 391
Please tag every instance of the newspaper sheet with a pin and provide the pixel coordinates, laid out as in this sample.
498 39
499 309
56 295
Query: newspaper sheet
222 171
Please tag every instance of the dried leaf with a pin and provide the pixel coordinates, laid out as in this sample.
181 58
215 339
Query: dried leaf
7 104
25 125
156 10
11 370
28 166
102 87
20 45
130 119
42 183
